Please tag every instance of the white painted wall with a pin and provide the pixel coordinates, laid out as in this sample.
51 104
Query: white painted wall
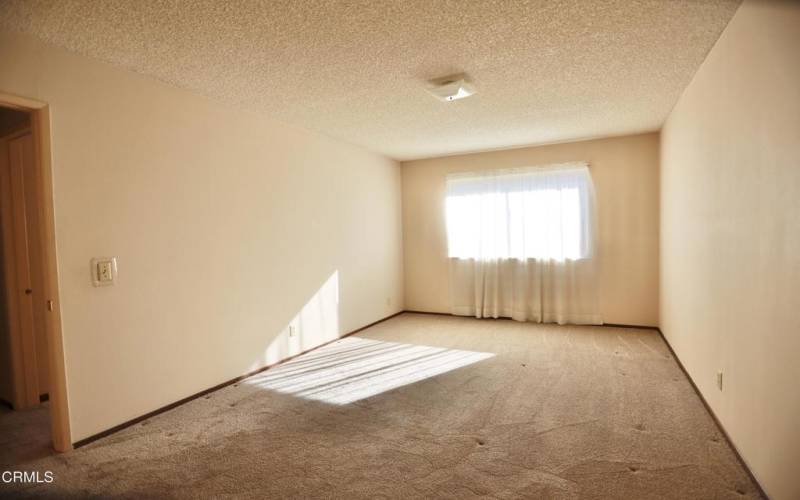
730 237
225 224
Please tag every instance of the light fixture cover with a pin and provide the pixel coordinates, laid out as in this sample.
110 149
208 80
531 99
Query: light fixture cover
451 88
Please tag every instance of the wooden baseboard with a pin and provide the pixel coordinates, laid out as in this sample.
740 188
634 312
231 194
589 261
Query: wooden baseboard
124 425
622 325
428 312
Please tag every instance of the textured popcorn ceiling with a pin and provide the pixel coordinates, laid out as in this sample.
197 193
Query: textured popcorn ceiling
545 71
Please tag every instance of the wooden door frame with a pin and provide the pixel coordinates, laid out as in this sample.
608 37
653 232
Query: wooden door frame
40 129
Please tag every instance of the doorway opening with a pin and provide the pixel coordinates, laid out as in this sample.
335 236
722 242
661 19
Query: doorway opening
32 376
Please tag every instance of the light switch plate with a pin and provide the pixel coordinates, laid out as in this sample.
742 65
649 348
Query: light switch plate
104 271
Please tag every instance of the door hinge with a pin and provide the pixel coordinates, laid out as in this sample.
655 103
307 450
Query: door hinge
50 305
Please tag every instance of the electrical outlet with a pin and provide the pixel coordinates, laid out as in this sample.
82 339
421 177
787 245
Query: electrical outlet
292 330
719 380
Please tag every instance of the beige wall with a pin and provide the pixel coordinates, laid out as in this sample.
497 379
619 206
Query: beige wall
226 226
625 173
730 240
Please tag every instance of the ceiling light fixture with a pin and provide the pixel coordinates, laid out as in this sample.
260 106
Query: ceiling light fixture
450 88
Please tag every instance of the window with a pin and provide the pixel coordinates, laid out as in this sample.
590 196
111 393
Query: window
542 213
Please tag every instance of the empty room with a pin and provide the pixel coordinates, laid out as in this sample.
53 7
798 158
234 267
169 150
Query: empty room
453 249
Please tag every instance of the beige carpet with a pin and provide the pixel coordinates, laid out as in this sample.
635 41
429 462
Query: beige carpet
427 406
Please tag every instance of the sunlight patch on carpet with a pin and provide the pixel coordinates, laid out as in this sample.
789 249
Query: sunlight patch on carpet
355 368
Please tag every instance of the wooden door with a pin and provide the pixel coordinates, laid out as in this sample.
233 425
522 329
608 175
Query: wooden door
19 243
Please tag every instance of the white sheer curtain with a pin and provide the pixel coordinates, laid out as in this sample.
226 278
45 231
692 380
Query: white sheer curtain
521 244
